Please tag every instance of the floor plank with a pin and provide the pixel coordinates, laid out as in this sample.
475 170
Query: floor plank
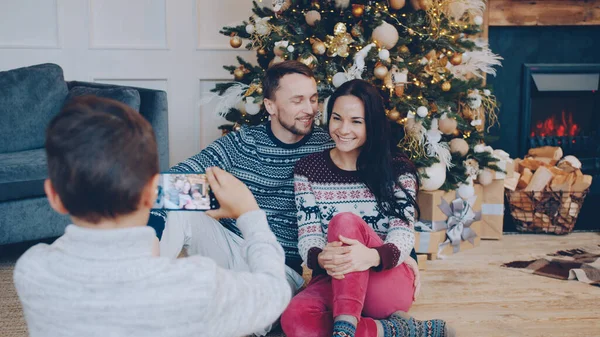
479 298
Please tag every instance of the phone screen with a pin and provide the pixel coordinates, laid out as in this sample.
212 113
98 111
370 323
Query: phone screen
184 191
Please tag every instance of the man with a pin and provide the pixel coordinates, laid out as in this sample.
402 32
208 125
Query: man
263 157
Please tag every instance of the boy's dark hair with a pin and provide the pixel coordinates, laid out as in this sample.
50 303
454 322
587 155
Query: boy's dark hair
275 72
101 155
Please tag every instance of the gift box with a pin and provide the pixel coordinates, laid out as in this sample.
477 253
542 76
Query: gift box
492 210
432 229
429 201
449 249
429 242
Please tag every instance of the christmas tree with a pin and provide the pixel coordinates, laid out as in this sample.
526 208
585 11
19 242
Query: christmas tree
424 56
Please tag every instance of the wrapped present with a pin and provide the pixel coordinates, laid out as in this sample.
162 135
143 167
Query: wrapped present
429 204
463 245
446 217
492 210
462 226
427 242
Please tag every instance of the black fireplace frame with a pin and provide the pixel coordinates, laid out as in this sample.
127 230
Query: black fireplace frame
542 68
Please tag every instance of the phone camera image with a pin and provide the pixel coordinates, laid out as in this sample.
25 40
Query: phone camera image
183 192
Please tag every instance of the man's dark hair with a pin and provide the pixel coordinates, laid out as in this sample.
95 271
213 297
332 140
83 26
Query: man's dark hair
270 82
101 155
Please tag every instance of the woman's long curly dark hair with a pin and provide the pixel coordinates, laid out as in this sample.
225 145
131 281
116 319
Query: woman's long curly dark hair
380 162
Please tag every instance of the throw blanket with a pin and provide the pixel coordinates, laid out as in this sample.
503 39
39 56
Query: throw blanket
582 264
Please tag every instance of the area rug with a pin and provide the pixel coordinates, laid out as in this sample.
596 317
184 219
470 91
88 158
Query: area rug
581 264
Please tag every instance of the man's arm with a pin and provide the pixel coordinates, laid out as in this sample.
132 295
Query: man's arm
213 155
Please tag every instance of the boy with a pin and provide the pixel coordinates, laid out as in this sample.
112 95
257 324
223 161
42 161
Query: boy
100 278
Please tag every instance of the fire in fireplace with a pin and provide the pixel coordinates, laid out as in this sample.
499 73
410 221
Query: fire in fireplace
556 126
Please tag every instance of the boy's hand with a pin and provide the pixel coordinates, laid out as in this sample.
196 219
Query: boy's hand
233 196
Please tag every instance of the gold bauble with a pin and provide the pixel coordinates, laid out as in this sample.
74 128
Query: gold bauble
394 114
310 61
446 86
319 48
235 41
447 125
410 31
380 71
339 28
397 4
443 61
259 90
431 55
356 31
358 10
312 17
456 59
399 90
460 146
262 52
425 4
403 49
238 74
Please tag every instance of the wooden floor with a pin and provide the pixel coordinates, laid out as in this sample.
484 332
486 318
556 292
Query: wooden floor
479 298
470 290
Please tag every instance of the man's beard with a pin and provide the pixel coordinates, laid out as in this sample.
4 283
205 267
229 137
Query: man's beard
293 129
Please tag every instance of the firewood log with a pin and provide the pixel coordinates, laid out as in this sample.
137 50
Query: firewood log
540 179
525 178
582 183
546 161
552 152
511 183
517 165
532 163
569 164
562 182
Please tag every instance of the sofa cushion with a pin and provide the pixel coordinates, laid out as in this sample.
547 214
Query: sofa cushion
29 98
22 174
128 96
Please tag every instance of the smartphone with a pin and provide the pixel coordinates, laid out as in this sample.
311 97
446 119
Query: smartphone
184 192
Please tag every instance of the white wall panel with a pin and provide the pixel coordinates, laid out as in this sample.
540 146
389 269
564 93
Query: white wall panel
211 16
29 24
131 24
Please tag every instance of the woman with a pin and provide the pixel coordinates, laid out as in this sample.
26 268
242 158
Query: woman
356 210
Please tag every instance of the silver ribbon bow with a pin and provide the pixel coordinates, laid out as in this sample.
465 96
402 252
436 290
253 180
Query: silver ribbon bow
460 217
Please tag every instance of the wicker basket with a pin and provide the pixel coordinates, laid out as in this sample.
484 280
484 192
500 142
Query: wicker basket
545 212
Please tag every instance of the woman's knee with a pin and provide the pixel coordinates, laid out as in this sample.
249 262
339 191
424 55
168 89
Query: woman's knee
298 318
346 224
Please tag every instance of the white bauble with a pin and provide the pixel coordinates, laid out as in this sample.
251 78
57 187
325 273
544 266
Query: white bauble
384 54
465 191
312 17
478 20
252 108
342 4
436 174
291 49
339 79
250 29
485 177
386 35
422 111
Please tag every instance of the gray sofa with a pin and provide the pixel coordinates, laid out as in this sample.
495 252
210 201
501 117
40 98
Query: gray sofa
29 98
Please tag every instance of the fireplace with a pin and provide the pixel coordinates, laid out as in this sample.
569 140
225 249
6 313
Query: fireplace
561 107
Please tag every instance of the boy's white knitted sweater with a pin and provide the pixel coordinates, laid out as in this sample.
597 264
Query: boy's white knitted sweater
94 282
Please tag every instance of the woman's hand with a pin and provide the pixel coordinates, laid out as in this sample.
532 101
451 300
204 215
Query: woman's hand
358 258
333 256
414 266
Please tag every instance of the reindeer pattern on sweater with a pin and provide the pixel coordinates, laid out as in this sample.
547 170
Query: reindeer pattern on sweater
323 190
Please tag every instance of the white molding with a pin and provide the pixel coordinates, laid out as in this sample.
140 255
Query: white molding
57 30
94 46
